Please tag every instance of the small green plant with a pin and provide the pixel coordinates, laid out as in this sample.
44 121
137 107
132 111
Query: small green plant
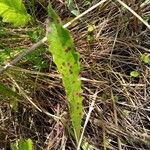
145 58
22 145
90 33
134 74
67 61
126 112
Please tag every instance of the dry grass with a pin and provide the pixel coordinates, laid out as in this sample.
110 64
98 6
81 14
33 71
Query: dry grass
121 115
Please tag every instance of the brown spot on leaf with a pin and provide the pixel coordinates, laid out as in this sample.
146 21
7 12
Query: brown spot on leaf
67 49
73 82
63 63
78 94
69 64
78 103
61 67
71 72
80 114
78 107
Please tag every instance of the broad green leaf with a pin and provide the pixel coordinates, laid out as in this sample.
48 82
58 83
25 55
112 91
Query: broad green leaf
13 11
25 144
67 61
134 74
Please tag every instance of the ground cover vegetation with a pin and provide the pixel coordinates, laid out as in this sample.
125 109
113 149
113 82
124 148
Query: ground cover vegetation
74 74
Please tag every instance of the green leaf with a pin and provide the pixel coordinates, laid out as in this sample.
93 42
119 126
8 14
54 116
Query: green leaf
134 74
145 58
72 7
30 144
25 144
22 145
66 59
13 11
